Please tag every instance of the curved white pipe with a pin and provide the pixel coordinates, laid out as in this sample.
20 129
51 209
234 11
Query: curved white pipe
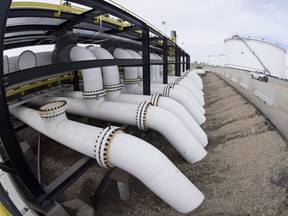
91 77
192 97
157 88
195 77
186 102
143 115
169 104
111 147
135 55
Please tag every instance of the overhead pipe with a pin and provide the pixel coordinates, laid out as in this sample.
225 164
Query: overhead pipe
188 102
93 105
114 94
113 148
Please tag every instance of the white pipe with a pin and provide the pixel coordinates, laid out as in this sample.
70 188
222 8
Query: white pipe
195 77
158 88
143 115
111 147
135 55
177 95
162 102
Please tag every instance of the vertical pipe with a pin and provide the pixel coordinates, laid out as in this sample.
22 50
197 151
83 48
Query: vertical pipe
165 61
146 59
7 133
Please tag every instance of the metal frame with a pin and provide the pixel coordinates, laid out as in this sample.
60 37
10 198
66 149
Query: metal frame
16 163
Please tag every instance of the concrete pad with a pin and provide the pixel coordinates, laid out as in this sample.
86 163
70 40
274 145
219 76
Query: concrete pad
268 95
277 116
79 208
246 83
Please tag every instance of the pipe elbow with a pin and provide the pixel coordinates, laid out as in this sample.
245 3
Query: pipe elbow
157 172
176 133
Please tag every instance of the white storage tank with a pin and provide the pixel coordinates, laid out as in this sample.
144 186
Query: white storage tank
213 60
255 54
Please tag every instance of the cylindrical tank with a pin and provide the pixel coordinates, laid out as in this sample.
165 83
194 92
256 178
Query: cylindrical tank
255 54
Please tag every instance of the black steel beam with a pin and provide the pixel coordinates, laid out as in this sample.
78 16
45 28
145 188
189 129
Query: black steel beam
188 61
36 72
8 203
37 12
146 59
177 63
76 81
60 184
110 9
7 134
78 19
21 28
165 61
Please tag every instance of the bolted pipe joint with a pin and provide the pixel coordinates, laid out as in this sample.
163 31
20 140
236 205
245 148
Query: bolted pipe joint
102 145
96 94
53 109
141 115
155 99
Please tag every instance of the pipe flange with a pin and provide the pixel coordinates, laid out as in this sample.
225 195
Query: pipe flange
175 82
130 81
27 59
94 94
6 67
141 115
166 90
53 109
113 86
101 148
155 99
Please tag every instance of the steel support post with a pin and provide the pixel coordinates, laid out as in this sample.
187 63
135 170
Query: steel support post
146 59
165 61
187 61
177 63
7 133
76 81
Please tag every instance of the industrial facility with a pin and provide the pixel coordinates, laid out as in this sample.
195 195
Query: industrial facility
255 54
106 64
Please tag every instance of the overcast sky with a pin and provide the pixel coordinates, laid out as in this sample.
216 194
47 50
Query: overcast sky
202 25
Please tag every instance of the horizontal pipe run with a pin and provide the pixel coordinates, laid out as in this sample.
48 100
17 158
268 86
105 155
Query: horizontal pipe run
129 153
184 142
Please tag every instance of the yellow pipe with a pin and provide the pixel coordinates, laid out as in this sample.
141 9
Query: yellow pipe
49 6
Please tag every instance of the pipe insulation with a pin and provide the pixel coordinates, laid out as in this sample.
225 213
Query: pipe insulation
162 102
111 147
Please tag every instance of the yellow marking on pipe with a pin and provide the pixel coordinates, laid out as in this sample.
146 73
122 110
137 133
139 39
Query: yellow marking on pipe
49 6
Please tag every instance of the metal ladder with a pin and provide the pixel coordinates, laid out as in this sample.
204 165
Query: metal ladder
257 57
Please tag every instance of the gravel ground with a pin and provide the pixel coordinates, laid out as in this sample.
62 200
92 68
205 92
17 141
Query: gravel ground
244 173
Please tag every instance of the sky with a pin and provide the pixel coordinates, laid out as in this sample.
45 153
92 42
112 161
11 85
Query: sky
202 25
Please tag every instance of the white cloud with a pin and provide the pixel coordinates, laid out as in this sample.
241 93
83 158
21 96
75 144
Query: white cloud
206 23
